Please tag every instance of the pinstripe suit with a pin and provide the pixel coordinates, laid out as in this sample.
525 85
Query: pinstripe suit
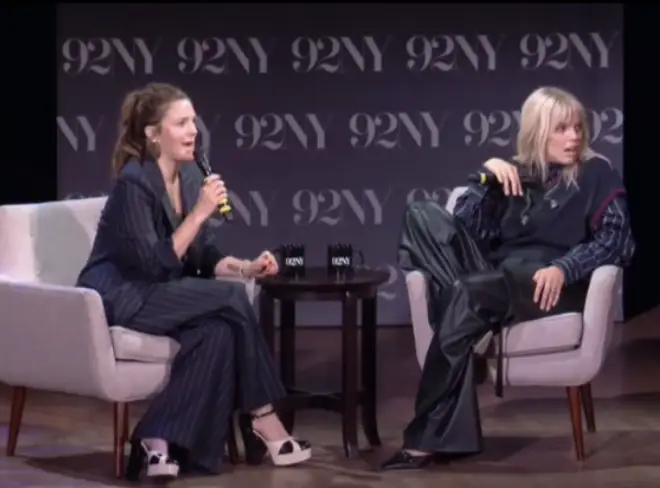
224 362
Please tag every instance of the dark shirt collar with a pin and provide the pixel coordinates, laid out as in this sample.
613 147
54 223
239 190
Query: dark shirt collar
554 168
554 172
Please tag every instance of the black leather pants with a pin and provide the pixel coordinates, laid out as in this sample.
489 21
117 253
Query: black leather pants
468 297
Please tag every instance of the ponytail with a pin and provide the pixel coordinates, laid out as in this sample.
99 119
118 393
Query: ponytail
140 109
129 143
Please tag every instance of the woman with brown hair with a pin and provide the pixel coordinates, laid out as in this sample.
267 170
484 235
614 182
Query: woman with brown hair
153 263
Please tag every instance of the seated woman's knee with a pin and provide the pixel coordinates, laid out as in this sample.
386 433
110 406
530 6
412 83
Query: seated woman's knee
431 207
470 293
217 334
230 292
482 289
237 303
479 280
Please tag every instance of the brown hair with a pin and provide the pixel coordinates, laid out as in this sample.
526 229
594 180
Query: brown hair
141 108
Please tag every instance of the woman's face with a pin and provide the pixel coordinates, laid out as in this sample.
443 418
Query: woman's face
565 140
176 138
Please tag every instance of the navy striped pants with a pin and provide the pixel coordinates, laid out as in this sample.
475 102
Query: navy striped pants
224 364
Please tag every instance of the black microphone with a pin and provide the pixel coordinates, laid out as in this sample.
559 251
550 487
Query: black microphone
202 162
490 179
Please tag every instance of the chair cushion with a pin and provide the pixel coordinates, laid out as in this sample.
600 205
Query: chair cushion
553 334
130 345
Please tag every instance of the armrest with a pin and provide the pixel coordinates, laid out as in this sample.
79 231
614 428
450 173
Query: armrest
55 338
598 318
251 287
598 312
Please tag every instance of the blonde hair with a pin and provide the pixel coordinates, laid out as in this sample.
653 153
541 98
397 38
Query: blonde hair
543 109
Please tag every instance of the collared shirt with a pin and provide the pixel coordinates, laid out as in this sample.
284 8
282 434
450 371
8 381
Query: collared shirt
612 242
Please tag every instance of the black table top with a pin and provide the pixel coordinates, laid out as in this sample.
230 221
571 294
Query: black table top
317 278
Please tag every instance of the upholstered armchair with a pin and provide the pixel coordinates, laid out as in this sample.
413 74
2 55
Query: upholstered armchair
565 350
55 337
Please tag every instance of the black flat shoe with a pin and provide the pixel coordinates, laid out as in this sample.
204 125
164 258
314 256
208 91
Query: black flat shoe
402 460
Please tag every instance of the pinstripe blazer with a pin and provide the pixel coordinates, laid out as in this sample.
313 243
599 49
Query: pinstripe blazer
133 251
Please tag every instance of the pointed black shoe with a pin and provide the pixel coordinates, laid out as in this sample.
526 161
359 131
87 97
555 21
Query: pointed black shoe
405 461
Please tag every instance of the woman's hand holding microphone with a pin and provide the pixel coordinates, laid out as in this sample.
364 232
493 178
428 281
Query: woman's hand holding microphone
210 196
507 175
212 193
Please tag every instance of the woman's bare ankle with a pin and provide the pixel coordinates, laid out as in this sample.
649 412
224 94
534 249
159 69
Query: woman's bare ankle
158 445
415 452
268 424
263 411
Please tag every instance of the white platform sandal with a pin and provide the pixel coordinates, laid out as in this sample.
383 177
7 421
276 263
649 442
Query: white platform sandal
284 452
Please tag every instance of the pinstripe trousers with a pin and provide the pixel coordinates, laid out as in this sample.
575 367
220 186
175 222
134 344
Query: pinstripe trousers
223 364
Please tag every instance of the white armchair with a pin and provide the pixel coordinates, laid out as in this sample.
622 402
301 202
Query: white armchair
566 350
54 336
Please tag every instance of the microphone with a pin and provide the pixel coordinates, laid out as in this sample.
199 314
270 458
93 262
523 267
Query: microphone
491 180
202 162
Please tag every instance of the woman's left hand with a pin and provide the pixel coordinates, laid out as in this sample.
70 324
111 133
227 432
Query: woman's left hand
265 264
549 284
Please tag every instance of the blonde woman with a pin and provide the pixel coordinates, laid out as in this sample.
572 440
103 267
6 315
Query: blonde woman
510 252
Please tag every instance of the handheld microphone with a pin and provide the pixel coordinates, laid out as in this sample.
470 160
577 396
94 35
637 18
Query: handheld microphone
490 179
202 162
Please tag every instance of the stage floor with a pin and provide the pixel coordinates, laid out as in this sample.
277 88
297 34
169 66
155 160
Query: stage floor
66 441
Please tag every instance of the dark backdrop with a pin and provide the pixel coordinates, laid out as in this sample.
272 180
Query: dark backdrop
31 143
325 120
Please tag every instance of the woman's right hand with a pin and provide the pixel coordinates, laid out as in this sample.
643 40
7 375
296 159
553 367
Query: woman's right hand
507 174
212 193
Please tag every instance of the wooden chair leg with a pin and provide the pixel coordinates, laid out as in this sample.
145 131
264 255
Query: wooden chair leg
15 417
232 447
120 428
588 407
127 424
576 420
